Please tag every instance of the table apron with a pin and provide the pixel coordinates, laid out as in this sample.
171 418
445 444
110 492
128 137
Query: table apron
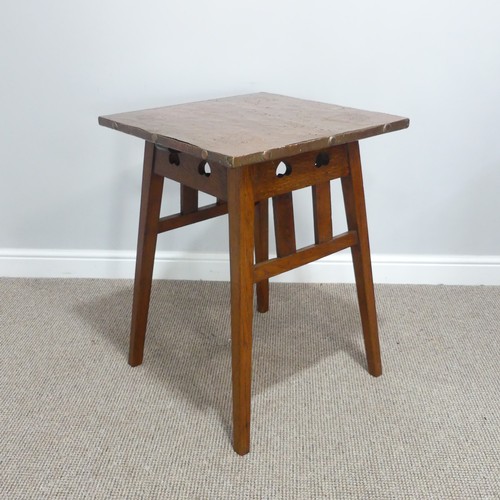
301 172
188 173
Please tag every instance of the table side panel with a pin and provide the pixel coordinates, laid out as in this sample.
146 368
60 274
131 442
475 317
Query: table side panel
188 173
303 172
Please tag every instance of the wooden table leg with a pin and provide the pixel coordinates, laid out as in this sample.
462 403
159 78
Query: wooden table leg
241 243
152 189
262 251
354 200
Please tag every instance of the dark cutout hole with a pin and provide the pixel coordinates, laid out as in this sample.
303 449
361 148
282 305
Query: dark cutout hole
204 169
322 159
173 157
283 169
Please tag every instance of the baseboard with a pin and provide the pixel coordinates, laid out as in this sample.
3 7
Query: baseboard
414 269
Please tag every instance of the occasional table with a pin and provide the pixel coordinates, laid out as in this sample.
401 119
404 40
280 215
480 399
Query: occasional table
245 150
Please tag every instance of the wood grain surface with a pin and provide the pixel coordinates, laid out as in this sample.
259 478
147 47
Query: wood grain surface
253 128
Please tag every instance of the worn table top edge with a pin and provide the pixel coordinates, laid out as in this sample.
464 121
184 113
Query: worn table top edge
318 144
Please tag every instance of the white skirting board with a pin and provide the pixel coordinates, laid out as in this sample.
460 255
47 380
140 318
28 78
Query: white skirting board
411 269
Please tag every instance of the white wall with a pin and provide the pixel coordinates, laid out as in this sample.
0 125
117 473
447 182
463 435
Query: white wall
69 189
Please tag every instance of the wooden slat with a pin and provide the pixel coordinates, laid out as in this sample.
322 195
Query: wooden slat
322 212
262 251
303 256
284 226
179 220
189 199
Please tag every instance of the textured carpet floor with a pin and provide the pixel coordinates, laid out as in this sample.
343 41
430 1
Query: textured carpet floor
77 422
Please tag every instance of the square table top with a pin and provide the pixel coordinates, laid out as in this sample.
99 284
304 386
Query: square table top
252 128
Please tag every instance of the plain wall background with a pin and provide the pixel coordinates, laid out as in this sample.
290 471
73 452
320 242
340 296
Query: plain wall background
68 184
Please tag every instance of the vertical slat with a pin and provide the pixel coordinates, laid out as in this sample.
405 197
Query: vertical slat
189 199
152 188
284 227
322 212
354 200
262 251
241 245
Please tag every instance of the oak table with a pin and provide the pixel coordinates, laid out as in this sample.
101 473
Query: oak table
244 150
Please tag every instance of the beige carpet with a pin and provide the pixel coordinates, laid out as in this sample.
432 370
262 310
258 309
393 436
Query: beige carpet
77 422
